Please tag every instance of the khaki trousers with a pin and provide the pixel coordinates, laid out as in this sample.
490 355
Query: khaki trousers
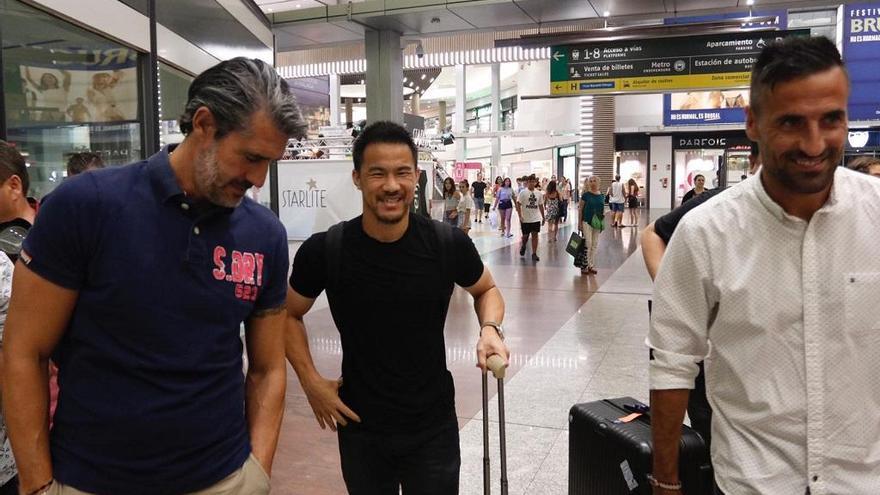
251 479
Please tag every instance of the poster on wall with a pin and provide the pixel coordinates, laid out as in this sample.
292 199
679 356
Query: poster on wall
861 52
705 107
100 89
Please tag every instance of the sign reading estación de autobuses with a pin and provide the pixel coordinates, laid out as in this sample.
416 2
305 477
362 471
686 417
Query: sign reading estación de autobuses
659 64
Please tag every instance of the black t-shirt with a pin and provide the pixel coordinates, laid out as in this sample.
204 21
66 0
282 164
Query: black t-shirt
390 308
666 225
479 187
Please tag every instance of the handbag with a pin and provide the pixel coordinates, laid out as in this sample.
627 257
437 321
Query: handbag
493 219
597 223
575 242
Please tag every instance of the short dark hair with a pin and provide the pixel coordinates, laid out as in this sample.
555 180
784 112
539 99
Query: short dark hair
82 161
12 163
234 89
791 58
382 132
863 163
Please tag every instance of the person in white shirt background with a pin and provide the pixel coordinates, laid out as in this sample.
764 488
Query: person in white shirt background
616 201
779 276
465 207
530 208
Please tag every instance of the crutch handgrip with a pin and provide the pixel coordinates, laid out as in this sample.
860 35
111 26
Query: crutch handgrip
496 364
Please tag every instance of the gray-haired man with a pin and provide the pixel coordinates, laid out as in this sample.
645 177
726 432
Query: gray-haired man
136 280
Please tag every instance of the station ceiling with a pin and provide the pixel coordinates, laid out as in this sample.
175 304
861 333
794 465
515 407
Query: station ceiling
304 24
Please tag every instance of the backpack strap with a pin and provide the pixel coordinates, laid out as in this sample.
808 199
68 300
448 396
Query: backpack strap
333 255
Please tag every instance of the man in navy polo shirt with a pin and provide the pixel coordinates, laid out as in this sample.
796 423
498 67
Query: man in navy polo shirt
135 280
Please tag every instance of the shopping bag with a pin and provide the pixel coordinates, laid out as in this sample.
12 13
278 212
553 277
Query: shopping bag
598 223
493 219
581 259
575 242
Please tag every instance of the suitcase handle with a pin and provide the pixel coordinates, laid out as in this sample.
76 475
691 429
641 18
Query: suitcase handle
496 364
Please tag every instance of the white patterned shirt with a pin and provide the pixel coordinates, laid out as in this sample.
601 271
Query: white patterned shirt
7 463
792 311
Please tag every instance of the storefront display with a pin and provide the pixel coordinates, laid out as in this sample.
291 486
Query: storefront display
66 90
710 154
634 165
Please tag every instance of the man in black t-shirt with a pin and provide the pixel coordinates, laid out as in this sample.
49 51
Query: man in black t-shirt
479 188
389 276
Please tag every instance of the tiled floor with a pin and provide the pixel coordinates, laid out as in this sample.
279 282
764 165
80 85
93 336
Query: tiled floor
574 339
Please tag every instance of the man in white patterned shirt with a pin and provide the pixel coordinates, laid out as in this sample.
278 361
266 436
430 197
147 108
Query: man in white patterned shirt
780 275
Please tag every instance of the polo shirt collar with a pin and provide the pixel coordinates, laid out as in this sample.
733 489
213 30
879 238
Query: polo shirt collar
165 182
162 175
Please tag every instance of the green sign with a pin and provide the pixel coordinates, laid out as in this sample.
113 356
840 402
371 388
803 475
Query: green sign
659 64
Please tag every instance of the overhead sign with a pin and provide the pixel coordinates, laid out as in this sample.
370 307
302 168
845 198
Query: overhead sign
659 64
861 50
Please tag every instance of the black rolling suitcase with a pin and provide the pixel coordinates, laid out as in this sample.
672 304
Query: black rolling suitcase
608 457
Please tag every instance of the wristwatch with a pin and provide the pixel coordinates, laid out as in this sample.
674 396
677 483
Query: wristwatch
494 325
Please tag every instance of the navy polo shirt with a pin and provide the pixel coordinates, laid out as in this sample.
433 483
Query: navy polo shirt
150 365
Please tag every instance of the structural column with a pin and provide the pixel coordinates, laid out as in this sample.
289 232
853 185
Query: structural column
334 99
441 109
384 76
495 121
415 103
349 112
458 126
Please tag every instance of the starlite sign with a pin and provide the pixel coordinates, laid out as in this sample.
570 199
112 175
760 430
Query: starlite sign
861 51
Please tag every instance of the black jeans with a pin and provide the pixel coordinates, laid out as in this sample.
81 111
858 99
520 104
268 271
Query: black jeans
422 463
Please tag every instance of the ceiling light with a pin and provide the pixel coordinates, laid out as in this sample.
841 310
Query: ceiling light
606 14
418 88
750 2
404 79
298 5
424 76
269 9
432 80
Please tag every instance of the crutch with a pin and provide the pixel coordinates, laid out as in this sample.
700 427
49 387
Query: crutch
495 363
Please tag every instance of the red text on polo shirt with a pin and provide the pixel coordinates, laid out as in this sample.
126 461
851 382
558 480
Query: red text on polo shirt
245 271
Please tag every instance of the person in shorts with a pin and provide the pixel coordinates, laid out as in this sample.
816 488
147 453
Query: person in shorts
530 208
479 188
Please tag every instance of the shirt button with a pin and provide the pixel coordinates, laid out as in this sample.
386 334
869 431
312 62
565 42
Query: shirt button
185 206
196 231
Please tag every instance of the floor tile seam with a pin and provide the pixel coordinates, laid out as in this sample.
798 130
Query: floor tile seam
543 461
509 423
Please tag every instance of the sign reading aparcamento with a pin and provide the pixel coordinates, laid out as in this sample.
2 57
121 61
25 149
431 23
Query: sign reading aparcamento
658 64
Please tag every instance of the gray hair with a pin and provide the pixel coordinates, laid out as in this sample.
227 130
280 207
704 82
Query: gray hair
235 89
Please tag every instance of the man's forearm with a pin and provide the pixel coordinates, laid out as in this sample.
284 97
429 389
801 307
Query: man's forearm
667 414
490 306
264 404
296 347
26 410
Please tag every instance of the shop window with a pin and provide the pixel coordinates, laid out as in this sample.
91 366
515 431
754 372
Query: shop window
173 88
66 90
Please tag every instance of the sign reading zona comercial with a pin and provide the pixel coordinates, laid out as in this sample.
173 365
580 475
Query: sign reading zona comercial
659 64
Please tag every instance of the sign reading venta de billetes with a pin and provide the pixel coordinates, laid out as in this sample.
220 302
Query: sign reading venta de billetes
659 64
861 50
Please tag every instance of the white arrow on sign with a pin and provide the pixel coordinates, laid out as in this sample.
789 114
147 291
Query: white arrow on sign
557 56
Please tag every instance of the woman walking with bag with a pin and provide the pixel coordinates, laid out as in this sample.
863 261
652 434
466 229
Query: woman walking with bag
591 220
504 203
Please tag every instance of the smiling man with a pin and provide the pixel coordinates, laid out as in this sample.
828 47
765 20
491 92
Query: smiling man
779 277
136 280
389 275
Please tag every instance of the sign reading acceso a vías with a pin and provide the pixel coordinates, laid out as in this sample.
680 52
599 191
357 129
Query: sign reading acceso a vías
659 64
861 50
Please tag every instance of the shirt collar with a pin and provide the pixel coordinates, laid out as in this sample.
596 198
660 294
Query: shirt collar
165 182
834 201
162 175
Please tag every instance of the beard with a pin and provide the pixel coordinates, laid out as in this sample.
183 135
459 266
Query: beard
392 218
785 171
211 184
